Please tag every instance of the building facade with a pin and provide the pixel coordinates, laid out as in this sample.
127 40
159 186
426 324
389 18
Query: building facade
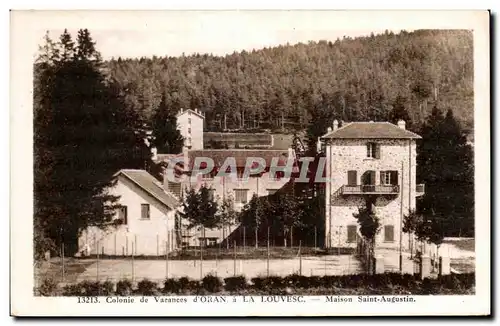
369 163
190 124
143 224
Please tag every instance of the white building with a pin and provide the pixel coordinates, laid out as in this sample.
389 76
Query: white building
190 124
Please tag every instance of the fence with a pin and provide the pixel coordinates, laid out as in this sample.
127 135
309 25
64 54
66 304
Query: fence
221 260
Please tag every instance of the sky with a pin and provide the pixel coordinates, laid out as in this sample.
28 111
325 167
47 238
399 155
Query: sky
132 34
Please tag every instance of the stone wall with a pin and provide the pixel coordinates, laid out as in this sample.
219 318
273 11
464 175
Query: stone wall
351 154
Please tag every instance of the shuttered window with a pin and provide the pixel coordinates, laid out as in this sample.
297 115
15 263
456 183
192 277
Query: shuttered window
145 211
123 214
351 233
389 233
241 196
373 150
389 178
352 178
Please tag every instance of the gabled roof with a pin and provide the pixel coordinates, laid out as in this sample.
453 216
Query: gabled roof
371 130
219 156
150 185
184 111
257 140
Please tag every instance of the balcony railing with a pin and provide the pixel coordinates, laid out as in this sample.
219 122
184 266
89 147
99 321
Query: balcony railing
420 189
369 189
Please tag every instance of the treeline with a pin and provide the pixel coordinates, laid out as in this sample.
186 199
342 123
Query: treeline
281 87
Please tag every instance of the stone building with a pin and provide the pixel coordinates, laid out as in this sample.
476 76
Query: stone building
369 163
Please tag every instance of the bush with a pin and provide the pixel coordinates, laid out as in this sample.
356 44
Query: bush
147 287
171 286
124 288
91 288
48 287
73 290
235 283
211 283
188 285
107 288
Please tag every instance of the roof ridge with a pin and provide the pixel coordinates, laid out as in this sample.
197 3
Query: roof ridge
143 188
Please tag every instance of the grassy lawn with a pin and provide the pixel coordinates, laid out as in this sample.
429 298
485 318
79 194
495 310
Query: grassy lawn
465 244
53 269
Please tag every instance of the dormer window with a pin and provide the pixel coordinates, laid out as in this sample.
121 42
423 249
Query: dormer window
372 150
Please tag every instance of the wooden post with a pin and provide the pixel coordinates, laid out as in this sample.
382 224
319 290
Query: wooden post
244 239
97 262
132 262
62 260
166 258
315 237
115 246
291 236
234 251
157 245
135 244
300 258
268 251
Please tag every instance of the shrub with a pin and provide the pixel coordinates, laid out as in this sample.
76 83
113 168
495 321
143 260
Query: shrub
48 287
188 285
211 283
107 288
171 286
235 283
258 283
124 288
73 290
91 288
147 287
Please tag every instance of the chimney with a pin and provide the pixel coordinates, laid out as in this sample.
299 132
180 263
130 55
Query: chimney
182 110
335 125
329 130
402 124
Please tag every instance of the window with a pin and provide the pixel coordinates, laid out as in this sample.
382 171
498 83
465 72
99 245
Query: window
352 178
145 211
240 173
389 233
351 233
123 214
372 150
189 130
189 120
278 175
240 196
271 191
389 178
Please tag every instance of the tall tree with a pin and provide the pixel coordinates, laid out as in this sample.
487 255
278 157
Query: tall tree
167 138
445 165
200 209
400 112
83 136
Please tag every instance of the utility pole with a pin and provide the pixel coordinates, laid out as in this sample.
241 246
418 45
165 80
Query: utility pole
401 222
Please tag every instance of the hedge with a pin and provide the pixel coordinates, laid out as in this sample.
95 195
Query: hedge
388 283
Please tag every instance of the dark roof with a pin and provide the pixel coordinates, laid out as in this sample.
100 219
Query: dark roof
150 185
219 156
258 140
371 130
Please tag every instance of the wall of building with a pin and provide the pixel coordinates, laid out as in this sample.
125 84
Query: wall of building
190 126
351 154
148 237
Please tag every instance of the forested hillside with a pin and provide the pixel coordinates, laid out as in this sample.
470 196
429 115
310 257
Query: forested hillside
349 79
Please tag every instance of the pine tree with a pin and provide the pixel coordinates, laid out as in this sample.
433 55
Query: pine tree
445 165
400 112
167 138
83 136
200 209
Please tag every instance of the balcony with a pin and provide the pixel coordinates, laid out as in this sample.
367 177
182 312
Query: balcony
369 190
420 190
